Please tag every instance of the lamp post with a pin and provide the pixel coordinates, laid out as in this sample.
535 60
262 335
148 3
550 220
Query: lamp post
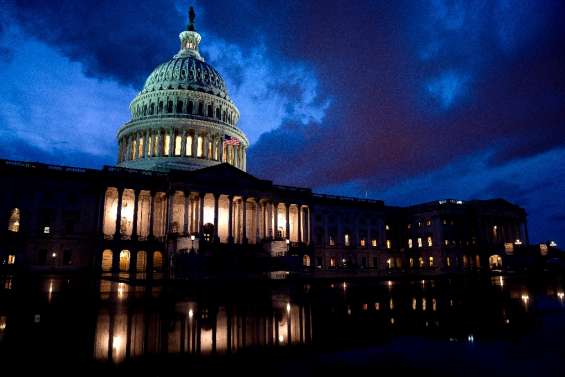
53 256
287 246
192 243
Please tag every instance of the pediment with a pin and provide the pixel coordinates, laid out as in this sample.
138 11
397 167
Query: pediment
227 175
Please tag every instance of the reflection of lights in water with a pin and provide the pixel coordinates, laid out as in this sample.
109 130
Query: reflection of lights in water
116 342
281 338
434 304
389 283
501 281
288 307
423 283
348 310
344 286
507 321
50 294
392 321
414 303
471 338
377 306
121 288
190 314
525 298
561 295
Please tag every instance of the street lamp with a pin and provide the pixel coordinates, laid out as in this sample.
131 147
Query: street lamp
192 237
287 246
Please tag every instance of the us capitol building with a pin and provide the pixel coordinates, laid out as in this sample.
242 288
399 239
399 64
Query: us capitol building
180 202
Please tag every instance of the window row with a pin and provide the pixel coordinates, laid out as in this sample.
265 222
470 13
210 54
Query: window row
185 107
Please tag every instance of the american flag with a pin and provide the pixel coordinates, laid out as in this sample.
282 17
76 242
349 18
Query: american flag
228 140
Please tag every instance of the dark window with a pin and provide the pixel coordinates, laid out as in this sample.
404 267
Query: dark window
210 111
189 109
218 113
179 107
318 261
46 218
151 109
144 110
42 257
71 218
170 106
201 109
67 257
375 262
160 108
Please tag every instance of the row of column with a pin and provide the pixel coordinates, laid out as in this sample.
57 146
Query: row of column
266 217
180 143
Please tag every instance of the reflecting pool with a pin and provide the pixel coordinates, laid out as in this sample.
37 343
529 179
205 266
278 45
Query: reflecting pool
447 326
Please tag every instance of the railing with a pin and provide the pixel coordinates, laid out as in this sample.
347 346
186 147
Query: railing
42 166
347 198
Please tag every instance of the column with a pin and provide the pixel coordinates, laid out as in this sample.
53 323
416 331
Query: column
201 211
194 143
117 234
307 221
230 219
276 219
244 227
146 150
263 220
135 209
183 144
257 229
221 151
151 214
299 207
170 201
287 215
186 212
216 212
244 157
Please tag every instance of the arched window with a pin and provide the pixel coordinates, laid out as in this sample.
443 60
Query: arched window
144 110
107 260
157 261
306 260
160 108
200 147
179 107
151 109
141 261
218 113
201 109
14 220
124 260
210 111
189 107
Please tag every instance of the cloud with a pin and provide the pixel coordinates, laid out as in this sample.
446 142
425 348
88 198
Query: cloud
268 93
53 111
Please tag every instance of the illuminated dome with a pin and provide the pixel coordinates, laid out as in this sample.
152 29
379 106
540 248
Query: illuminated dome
183 118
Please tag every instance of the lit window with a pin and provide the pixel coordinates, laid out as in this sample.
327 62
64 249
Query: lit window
347 240
46 230
446 242
155 145
428 222
140 148
189 145
409 226
14 221
11 259
419 224
200 147
389 263
387 227
421 262
178 145
149 147
411 262
133 150
444 222
419 242
210 149
429 241
494 231
332 241
332 262
410 243
388 244
362 242
374 243
167 145
431 259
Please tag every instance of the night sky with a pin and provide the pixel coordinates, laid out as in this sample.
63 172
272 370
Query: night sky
405 101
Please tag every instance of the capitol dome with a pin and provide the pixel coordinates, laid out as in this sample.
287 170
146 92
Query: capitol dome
183 118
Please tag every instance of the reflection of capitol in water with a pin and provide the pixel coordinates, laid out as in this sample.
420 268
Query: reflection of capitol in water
125 330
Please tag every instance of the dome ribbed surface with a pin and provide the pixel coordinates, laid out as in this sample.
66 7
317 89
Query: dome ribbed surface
186 73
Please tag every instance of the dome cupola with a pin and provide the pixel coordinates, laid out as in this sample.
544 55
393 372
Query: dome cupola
183 118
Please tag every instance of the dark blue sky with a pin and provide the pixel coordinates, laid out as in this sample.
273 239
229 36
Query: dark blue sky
406 101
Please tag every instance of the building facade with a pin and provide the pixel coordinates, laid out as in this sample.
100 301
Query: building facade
181 188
